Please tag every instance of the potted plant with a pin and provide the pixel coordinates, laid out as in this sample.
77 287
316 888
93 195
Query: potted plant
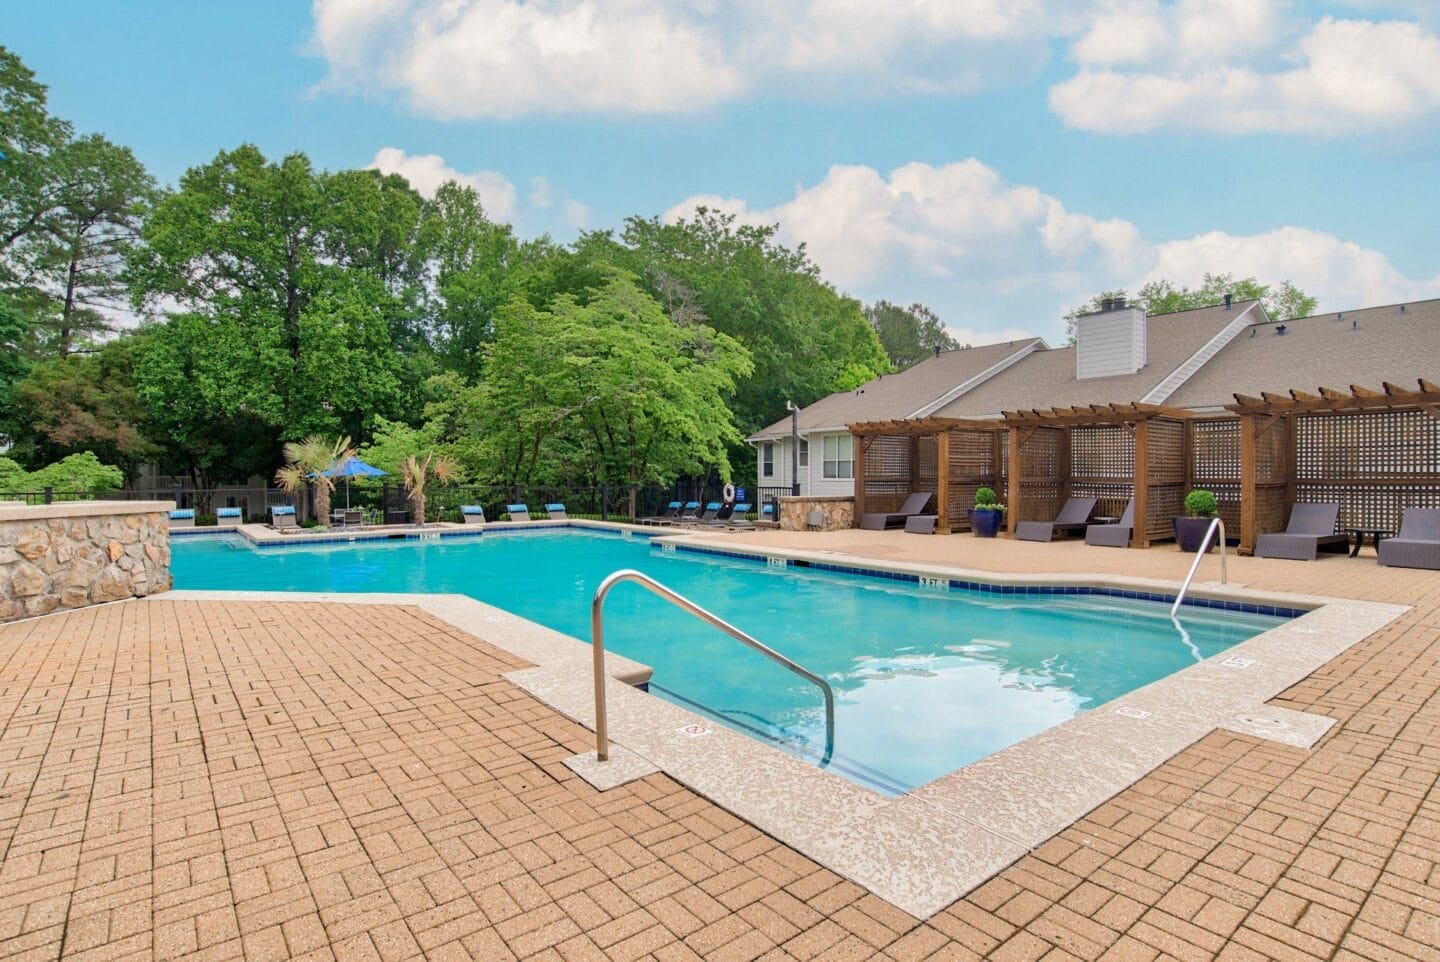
1200 509
985 517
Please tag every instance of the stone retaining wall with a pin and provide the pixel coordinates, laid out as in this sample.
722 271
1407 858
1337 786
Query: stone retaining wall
54 557
837 512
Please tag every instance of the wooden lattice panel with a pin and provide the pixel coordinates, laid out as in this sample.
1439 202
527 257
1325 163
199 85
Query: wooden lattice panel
1164 503
1272 453
925 449
887 473
1383 445
1165 454
1215 454
1111 497
1041 455
1104 452
972 466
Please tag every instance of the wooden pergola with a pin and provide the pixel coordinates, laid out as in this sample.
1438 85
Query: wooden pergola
1373 452
1111 452
948 457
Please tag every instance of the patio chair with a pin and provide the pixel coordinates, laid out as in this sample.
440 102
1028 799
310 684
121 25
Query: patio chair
353 517
182 518
921 523
1113 535
472 514
881 520
722 517
518 512
671 512
229 515
704 516
1311 529
1073 518
1418 543
739 521
556 512
686 515
282 517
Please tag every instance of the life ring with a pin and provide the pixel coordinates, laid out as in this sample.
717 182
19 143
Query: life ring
728 492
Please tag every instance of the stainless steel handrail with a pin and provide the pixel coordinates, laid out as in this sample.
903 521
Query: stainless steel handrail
1199 556
597 643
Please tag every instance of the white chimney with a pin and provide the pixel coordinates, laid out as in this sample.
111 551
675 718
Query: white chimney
1110 341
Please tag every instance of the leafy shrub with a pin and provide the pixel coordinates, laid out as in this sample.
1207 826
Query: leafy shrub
985 500
1201 504
77 472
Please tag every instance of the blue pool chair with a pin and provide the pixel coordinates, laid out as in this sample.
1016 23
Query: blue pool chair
705 516
182 518
518 512
671 512
282 517
472 514
556 512
230 515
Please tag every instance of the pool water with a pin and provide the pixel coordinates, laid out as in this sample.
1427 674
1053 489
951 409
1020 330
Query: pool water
925 680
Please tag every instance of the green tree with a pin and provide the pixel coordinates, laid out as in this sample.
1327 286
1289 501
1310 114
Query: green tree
909 334
15 330
82 472
306 462
394 441
29 139
1282 302
85 402
645 398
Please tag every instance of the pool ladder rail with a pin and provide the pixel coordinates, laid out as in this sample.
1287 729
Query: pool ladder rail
597 638
1216 525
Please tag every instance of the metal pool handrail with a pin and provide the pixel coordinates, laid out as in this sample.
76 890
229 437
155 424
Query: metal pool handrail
1199 556
597 637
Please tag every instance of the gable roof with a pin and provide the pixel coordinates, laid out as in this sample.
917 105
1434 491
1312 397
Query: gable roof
1046 379
1335 350
904 394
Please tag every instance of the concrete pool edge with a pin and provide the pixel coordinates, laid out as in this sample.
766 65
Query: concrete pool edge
923 850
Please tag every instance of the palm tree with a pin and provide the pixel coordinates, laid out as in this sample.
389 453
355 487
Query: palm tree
416 474
305 463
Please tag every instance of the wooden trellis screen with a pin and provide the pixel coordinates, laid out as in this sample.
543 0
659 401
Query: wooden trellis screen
1374 453
1110 452
947 457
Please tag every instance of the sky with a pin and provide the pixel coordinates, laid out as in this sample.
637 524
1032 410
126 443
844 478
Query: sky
997 160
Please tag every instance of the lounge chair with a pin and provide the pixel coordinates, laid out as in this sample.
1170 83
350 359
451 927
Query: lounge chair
556 512
1113 535
472 514
1311 529
721 518
704 516
353 517
1073 518
282 517
182 518
671 512
518 512
921 523
229 515
686 515
739 521
881 520
1418 543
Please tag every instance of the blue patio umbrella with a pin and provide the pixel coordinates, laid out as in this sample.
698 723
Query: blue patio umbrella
353 467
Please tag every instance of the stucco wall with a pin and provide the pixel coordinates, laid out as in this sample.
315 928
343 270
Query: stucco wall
61 556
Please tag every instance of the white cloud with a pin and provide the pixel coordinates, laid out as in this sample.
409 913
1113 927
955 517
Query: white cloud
577 215
541 194
997 259
1194 72
1340 274
428 171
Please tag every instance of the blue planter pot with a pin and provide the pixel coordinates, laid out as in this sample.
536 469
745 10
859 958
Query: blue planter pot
985 524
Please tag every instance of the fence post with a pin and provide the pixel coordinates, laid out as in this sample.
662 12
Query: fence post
177 496
49 495
604 502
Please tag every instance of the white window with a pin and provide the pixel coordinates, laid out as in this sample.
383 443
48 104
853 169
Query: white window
767 460
839 455
804 452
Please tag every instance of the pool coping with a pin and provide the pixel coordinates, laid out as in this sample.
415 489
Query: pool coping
922 850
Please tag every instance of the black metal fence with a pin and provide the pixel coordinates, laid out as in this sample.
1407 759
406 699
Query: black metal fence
391 502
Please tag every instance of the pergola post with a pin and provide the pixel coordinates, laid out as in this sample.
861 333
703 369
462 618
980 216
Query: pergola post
1140 485
1249 492
942 482
861 444
1012 497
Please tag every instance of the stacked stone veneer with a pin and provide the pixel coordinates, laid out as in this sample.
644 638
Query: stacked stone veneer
837 513
61 556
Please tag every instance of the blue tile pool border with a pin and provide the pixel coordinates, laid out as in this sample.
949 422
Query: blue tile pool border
1217 604
502 529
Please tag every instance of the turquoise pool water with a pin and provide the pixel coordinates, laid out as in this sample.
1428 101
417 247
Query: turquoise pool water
925 680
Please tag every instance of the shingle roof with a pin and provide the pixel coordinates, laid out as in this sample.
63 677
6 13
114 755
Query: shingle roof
900 395
1334 350
1047 379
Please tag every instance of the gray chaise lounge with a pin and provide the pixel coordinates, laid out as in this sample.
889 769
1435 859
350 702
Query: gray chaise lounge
1113 535
881 520
1073 518
1418 543
1310 530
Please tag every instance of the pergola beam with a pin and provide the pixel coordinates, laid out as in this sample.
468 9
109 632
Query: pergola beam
1358 398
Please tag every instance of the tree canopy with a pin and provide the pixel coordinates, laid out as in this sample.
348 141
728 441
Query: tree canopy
909 334
1281 301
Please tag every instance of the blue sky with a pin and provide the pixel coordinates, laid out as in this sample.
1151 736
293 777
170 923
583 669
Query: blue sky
997 159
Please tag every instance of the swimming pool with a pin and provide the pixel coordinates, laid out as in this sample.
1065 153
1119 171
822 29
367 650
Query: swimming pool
926 681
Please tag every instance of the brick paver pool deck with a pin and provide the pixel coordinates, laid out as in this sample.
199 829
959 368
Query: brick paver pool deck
271 780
